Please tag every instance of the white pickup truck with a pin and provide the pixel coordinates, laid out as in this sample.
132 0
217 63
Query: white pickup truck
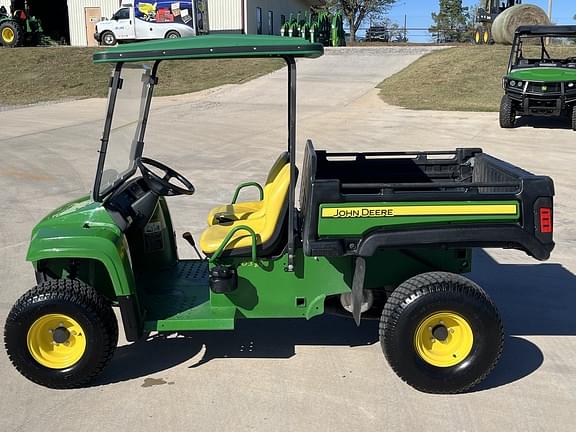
145 20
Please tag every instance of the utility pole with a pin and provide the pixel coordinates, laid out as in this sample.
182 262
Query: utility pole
550 10
405 28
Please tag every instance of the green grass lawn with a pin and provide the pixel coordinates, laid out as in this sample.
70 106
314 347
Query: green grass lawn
31 75
464 78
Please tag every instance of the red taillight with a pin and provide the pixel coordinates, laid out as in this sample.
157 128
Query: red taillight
545 220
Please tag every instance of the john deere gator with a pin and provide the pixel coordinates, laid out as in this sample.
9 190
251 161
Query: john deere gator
541 78
377 233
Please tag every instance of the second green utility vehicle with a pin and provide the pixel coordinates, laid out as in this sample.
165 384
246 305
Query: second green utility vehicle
541 78
380 232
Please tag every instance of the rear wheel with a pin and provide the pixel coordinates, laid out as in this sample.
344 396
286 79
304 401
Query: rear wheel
441 333
507 115
478 36
61 334
486 36
172 34
10 34
108 38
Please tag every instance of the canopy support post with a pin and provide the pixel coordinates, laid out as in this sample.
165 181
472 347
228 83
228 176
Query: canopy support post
291 63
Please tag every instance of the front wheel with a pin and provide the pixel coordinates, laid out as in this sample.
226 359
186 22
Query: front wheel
108 38
574 118
507 115
441 333
10 34
172 34
61 334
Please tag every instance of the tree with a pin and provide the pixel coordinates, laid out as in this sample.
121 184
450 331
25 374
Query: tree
395 33
356 11
451 23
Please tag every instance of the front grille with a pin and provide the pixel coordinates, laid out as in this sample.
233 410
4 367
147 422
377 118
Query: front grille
545 88
542 103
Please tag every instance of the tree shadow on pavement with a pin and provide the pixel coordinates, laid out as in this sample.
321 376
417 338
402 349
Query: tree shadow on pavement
533 299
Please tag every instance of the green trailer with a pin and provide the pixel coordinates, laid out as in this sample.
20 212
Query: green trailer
380 232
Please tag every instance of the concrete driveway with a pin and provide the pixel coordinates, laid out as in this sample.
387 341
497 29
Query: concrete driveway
283 375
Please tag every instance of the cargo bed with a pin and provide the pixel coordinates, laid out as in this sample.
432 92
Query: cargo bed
356 203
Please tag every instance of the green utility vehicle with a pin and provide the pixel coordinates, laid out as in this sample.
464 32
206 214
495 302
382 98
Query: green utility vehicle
19 27
541 78
384 232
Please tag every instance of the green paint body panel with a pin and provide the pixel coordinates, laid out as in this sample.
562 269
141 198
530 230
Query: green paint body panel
210 47
267 290
174 295
357 226
84 229
543 74
179 298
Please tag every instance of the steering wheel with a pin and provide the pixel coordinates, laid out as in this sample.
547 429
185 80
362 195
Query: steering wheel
162 185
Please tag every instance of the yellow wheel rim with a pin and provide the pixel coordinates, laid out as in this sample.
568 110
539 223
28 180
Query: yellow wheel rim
444 339
486 37
56 341
8 35
477 37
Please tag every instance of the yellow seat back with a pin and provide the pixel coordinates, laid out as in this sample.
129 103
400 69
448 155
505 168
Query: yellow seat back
279 163
275 193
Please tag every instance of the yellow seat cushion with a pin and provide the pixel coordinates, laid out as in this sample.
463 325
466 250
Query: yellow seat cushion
248 209
232 212
263 222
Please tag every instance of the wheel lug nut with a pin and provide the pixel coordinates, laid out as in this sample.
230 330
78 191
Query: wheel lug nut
430 328
73 333
441 322
451 330
50 331
432 340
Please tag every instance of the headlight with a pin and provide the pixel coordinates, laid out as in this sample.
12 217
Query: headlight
512 83
519 83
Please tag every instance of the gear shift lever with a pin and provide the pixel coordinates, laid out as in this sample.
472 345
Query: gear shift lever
188 237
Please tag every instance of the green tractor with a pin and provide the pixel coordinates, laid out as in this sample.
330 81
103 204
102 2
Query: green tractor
381 234
541 76
19 27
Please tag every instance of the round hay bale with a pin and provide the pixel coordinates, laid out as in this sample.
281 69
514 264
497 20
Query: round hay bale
507 22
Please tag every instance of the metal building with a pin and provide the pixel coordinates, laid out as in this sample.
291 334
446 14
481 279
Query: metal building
72 21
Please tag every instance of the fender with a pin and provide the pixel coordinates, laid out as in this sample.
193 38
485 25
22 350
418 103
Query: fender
98 244
84 229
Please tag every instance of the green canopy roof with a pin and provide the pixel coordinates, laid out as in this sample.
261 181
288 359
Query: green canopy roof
210 47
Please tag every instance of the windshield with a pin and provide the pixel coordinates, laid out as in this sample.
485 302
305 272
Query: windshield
547 51
125 129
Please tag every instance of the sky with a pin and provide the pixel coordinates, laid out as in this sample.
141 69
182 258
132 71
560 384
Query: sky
418 13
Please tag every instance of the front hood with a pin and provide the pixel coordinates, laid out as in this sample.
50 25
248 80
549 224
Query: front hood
79 214
105 23
544 74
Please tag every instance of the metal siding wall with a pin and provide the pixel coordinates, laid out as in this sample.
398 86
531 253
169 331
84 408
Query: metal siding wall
225 15
77 19
6 4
